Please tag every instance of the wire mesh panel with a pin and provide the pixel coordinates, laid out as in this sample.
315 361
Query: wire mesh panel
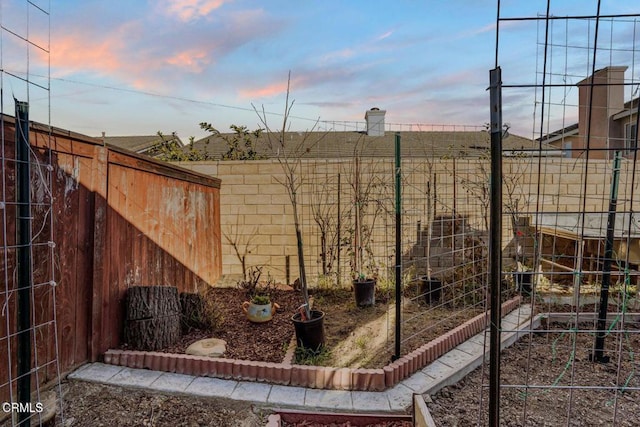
349 223
569 222
28 336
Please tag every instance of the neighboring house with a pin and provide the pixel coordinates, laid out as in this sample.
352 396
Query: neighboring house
375 142
605 122
142 144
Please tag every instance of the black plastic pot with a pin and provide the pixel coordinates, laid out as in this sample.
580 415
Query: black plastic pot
523 281
431 289
309 333
365 292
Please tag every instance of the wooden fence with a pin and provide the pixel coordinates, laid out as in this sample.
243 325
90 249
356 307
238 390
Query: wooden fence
103 219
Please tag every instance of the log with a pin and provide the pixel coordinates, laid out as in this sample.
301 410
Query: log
153 317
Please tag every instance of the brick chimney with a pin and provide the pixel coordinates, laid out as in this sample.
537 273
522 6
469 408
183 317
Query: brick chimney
375 121
608 99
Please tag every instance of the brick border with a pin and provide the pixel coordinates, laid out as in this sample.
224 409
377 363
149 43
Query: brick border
320 377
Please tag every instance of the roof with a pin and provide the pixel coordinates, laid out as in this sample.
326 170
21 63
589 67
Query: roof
595 224
560 134
335 144
140 143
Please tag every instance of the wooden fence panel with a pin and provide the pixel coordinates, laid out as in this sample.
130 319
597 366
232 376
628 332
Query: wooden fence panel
119 219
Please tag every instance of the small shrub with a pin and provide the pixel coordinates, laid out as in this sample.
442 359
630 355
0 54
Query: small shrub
200 311
261 299
253 287
309 356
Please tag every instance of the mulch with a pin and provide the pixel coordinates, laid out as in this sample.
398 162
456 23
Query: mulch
262 342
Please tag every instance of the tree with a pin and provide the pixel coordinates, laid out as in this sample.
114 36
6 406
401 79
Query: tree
289 157
241 145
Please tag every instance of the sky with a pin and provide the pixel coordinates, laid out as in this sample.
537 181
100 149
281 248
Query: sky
138 67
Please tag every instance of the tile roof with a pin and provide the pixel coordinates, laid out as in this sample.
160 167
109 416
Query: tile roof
139 143
336 144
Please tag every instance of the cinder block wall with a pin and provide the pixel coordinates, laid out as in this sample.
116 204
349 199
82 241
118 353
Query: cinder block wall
256 211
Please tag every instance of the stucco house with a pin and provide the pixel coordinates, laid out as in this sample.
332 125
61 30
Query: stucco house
605 122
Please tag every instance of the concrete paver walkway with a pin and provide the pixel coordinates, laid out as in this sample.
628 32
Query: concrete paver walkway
447 370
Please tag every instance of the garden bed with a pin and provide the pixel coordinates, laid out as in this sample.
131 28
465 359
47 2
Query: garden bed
269 341
559 385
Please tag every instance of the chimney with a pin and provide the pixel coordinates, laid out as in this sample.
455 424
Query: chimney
606 98
375 121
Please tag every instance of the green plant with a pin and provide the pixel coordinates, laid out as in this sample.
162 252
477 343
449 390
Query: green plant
261 299
368 207
309 356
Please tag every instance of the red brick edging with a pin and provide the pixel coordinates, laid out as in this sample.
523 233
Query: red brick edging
302 375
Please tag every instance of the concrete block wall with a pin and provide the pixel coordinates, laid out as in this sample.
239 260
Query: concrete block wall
256 211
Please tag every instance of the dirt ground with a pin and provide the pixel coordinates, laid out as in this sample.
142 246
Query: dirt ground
563 383
546 379
269 341
96 405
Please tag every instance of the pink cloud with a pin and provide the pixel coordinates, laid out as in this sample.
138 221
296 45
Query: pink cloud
186 10
75 52
191 60
265 91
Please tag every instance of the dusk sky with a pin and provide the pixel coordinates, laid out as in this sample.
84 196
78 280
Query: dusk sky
138 67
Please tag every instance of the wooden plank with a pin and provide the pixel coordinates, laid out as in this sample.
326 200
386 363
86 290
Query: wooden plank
84 265
63 144
143 163
100 263
65 234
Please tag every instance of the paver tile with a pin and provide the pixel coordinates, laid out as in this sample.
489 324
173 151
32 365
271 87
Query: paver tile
370 401
96 372
214 387
328 399
287 395
134 377
254 392
171 382
400 397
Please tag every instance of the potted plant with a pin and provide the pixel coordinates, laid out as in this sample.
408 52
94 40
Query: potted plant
431 286
364 289
308 324
362 258
522 277
260 309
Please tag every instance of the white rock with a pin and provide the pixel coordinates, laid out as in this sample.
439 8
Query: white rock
212 347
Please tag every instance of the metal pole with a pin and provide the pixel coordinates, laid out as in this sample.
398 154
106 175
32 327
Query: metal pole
495 245
339 228
398 248
598 351
24 257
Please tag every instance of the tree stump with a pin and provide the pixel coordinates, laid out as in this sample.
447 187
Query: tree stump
153 317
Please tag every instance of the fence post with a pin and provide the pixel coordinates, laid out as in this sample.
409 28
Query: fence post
495 244
24 270
398 247
101 260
